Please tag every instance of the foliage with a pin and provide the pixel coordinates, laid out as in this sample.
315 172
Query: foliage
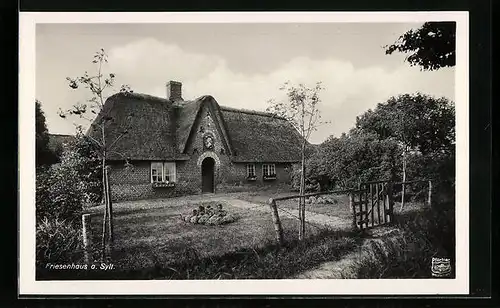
418 125
90 172
44 155
424 127
301 110
423 123
343 162
93 109
63 189
432 46
57 242
98 84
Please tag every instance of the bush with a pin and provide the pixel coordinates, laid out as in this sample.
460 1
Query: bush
60 192
57 242
88 167
64 188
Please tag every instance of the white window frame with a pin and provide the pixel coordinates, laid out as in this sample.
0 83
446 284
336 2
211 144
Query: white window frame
167 169
267 168
252 168
156 172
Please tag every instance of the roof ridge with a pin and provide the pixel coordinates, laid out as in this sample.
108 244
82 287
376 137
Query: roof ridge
55 134
252 112
139 95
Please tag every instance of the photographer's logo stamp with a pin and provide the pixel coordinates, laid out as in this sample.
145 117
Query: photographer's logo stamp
441 267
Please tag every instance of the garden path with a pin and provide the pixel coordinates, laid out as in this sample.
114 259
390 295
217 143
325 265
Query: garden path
332 222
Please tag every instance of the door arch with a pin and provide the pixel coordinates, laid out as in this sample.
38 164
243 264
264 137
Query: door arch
208 175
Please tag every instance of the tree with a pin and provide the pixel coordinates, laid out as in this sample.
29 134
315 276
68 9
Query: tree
353 157
421 124
432 46
301 110
97 85
43 155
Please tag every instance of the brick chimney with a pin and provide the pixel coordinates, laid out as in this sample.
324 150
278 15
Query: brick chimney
174 91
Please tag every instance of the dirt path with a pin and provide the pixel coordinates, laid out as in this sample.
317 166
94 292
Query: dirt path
348 266
319 219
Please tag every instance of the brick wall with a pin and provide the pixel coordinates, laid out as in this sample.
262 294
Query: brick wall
135 183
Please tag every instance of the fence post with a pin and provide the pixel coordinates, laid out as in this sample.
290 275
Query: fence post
276 220
429 199
353 207
110 216
390 200
87 238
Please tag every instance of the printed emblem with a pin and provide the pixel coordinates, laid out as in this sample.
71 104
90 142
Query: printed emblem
441 267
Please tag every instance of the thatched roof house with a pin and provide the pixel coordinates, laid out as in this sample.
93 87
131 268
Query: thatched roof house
179 147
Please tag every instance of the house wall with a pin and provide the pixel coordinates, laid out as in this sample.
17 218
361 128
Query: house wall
135 183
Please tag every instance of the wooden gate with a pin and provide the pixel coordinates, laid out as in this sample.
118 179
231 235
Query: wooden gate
372 204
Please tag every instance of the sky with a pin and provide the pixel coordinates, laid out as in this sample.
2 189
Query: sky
240 65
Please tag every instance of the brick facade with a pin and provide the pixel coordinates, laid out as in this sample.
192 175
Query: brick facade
135 182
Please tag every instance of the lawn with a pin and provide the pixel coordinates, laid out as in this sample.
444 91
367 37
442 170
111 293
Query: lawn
153 242
340 209
145 237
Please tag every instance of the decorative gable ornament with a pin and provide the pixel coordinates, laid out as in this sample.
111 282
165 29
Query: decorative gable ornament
209 119
208 141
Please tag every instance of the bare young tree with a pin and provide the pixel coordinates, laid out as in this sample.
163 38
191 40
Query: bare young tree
98 84
301 110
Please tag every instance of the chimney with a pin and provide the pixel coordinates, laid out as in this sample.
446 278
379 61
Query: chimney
174 91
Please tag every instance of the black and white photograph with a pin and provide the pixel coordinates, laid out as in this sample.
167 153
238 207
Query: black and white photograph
299 153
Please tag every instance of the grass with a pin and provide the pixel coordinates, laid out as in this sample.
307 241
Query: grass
340 209
152 242
424 234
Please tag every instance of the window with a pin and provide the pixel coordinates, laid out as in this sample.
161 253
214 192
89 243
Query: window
269 170
170 172
156 172
251 171
163 172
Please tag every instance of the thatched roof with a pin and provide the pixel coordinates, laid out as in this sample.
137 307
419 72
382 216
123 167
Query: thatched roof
158 129
258 136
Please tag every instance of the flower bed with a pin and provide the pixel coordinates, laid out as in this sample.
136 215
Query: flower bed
209 216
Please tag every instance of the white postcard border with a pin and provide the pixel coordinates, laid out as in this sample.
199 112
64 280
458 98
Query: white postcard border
27 283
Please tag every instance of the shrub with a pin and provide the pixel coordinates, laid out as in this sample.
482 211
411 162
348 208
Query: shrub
57 242
88 167
60 192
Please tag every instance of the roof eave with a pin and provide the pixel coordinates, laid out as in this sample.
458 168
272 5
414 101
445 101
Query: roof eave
284 161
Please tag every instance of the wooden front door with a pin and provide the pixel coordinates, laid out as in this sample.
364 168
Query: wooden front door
207 175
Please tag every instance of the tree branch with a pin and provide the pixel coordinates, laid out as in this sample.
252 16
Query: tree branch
95 141
116 140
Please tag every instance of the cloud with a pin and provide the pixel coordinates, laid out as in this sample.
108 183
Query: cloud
148 64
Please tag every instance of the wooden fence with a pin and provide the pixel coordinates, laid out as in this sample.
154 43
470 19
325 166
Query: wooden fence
372 204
